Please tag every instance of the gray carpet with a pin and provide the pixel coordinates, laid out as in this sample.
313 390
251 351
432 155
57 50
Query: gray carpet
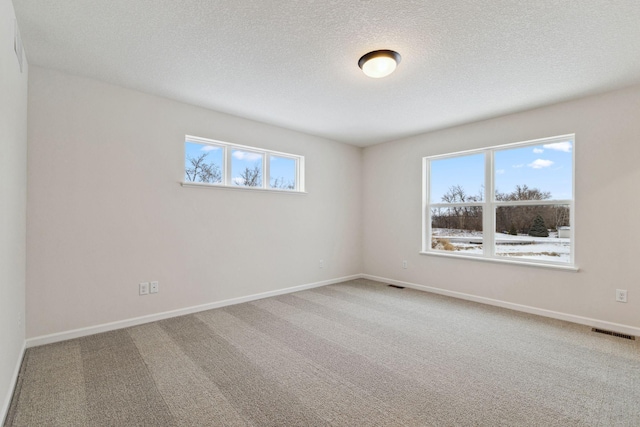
357 353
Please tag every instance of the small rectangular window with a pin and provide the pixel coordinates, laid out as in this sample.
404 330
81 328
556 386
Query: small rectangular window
203 163
282 172
246 168
217 163
512 202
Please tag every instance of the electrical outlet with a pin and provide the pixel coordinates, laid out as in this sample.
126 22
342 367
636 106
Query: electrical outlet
621 295
154 287
404 264
144 288
321 263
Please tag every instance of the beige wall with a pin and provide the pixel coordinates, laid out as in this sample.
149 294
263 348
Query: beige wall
607 153
13 197
106 210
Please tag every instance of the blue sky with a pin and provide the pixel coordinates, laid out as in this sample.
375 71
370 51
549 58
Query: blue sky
281 167
192 150
240 160
547 167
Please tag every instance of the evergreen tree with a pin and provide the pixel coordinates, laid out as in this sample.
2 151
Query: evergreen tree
538 229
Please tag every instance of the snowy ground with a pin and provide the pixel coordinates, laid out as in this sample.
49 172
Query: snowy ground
549 248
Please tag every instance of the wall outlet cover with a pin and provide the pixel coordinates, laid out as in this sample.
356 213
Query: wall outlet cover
621 295
144 288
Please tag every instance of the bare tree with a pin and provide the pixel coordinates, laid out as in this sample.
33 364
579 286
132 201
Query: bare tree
460 217
283 184
202 171
523 192
250 177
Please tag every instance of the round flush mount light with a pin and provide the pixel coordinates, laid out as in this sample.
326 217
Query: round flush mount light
379 63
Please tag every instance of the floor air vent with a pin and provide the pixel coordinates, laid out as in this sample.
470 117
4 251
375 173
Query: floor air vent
396 286
615 334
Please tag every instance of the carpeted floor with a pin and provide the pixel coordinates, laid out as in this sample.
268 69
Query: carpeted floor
357 353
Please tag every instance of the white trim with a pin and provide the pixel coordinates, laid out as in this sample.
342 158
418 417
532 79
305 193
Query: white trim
426 196
572 206
266 154
90 330
296 174
503 146
508 203
587 321
76 333
14 381
200 140
534 202
238 187
266 174
460 204
488 212
489 204
506 260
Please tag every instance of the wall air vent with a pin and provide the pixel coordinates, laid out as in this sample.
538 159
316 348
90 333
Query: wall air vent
614 334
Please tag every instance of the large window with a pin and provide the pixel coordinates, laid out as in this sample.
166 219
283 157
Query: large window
221 164
510 203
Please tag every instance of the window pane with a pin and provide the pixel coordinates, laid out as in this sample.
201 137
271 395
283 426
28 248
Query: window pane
203 163
457 179
282 171
457 229
540 233
534 172
246 168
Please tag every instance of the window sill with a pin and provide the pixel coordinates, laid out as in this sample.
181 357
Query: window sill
506 261
228 187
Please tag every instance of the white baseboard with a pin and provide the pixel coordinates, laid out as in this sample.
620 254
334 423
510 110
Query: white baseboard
594 323
90 330
77 333
14 380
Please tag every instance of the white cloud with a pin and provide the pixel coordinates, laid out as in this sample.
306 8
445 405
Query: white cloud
538 150
559 146
518 166
244 155
540 163
499 171
209 148
238 180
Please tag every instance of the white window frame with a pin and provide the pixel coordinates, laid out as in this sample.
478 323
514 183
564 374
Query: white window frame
299 160
489 205
227 181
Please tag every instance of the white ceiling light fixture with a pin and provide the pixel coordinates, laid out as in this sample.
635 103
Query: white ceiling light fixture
379 63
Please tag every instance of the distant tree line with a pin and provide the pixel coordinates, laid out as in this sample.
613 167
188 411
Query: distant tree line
509 219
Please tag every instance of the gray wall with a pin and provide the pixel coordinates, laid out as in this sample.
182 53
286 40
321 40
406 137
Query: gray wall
106 210
607 149
13 198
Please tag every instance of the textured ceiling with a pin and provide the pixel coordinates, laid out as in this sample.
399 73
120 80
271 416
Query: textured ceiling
294 63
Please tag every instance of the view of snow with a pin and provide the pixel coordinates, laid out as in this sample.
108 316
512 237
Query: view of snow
550 248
